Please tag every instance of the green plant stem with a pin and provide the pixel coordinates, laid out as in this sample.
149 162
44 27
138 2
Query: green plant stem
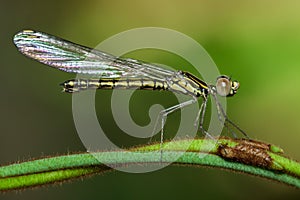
251 157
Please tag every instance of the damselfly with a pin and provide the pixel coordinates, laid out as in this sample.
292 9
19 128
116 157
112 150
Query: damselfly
121 73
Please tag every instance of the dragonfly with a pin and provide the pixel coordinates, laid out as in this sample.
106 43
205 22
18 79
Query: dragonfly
124 73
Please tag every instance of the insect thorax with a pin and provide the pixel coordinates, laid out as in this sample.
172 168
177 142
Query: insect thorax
188 84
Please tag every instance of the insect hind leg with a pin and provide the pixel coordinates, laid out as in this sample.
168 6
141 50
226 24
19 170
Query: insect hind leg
164 114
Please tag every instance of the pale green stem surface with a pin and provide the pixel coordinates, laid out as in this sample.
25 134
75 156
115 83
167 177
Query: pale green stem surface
245 156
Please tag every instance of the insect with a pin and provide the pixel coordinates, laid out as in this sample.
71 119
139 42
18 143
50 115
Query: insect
123 73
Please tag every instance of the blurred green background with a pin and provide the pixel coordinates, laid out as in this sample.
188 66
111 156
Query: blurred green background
257 42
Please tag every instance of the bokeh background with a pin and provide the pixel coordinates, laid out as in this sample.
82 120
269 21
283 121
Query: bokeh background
257 42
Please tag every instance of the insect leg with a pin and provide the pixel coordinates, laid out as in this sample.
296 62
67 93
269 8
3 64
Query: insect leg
165 113
221 113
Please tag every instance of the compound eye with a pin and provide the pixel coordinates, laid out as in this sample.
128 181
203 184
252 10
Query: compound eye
223 86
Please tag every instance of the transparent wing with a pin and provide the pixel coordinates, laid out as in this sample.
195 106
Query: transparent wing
70 57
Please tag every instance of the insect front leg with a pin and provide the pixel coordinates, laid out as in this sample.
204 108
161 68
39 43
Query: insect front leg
221 113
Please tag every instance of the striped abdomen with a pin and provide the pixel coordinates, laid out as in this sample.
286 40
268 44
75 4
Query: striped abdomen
186 84
76 85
